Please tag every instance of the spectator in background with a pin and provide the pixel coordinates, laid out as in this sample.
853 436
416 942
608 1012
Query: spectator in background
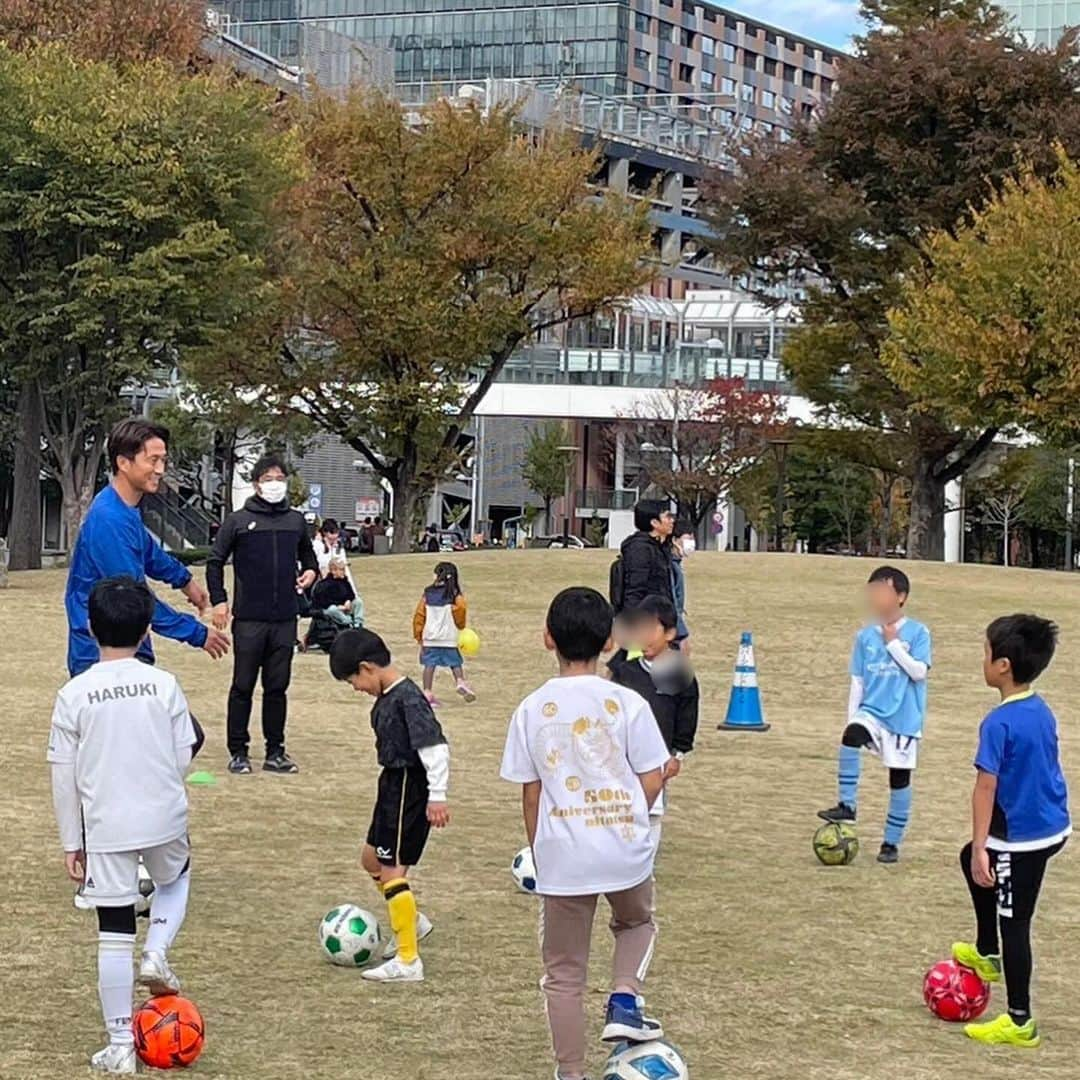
645 554
327 544
430 539
682 547
367 537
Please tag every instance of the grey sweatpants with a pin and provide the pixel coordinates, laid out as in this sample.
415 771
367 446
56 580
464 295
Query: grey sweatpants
565 936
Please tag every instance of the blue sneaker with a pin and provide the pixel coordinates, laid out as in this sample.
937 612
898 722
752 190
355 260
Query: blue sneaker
627 1023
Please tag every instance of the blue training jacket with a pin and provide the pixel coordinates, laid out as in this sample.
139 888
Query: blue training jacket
111 542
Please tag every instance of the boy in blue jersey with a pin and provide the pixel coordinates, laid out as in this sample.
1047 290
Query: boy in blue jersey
1020 820
887 704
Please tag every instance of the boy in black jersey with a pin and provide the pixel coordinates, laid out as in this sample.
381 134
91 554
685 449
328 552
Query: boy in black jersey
415 760
659 672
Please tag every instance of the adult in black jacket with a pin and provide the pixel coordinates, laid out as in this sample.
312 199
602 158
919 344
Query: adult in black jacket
267 542
646 564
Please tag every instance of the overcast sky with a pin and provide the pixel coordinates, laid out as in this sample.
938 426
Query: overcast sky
830 21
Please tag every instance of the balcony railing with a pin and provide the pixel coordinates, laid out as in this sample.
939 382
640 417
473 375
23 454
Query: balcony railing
606 498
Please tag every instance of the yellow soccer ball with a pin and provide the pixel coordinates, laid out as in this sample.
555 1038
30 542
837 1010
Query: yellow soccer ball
469 642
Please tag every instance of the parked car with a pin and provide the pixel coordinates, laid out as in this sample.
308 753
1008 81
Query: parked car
574 543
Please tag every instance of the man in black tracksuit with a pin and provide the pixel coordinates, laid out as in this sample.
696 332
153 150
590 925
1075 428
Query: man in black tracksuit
646 562
268 541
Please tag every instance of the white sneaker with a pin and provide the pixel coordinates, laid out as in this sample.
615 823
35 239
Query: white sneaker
116 1058
423 928
396 971
156 975
81 901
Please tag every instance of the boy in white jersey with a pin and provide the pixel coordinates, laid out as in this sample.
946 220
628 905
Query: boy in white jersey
120 743
887 705
590 757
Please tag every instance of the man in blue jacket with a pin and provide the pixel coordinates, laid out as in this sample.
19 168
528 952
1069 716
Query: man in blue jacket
113 541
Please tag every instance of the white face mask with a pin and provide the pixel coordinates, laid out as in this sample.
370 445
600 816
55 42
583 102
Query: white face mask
689 546
273 491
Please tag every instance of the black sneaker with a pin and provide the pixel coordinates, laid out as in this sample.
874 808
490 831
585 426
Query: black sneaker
889 853
839 812
240 764
280 762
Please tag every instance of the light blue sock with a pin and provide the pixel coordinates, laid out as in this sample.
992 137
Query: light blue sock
848 774
897 818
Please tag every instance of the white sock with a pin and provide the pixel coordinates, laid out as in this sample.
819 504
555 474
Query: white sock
167 910
116 983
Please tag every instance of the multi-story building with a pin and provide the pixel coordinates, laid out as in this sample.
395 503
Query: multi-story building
691 58
1042 23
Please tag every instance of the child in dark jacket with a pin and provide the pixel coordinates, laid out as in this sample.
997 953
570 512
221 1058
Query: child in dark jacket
655 669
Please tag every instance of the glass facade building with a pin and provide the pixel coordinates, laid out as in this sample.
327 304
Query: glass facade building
1040 22
692 58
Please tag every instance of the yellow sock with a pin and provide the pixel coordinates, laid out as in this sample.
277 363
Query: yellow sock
377 882
401 904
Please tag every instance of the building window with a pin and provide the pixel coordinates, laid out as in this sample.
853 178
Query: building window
748 93
727 118
747 123
789 73
807 110
663 66
768 99
770 37
710 15
766 127
686 73
770 66
641 22
668 3
641 59
829 58
727 86
708 80
708 45
668 32
730 22
749 60
688 39
787 106
727 52
826 86
641 91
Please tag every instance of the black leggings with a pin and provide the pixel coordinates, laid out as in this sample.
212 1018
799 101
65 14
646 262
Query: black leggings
1011 901
855 735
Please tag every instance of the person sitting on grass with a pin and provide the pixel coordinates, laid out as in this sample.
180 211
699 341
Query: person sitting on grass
1020 820
336 598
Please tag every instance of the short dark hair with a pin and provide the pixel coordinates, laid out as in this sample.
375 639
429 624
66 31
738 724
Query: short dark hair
579 622
1026 641
120 612
352 648
129 436
896 578
646 512
266 463
655 607
683 527
329 525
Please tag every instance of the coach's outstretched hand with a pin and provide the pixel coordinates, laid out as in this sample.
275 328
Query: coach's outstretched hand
220 617
217 642
438 814
197 596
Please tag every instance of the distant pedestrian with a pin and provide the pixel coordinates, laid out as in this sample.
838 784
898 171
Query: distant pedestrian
440 616
266 540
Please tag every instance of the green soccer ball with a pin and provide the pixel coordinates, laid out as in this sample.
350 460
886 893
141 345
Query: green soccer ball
836 843
350 936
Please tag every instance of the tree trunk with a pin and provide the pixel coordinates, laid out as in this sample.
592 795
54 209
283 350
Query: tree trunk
1005 541
548 503
25 529
926 529
887 485
77 496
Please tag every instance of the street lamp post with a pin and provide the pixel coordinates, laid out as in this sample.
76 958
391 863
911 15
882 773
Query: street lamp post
780 450
571 453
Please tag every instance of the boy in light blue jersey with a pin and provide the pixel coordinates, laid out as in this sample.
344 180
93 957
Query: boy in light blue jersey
887 704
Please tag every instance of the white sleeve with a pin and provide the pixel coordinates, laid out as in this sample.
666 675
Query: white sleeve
855 696
63 734
66 805
916 670
645 746
436 761
183 731
517 764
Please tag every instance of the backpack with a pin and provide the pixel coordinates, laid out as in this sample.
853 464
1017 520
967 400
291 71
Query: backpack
616 587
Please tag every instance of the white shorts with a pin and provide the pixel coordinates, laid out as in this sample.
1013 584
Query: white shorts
895 751
112 877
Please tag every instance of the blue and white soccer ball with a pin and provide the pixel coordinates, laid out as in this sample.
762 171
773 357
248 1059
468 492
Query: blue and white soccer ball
646 1061
524 871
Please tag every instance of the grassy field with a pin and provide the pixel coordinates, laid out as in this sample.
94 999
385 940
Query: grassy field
768 965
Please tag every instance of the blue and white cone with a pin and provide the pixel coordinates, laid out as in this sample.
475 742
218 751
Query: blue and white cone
744 707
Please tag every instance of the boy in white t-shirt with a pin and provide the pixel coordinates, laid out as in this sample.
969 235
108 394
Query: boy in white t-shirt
120 743
590 758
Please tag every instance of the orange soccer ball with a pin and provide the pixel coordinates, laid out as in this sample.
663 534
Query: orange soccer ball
169 1032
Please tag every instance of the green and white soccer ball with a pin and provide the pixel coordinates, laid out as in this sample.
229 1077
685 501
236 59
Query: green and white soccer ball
350 936
836 843
646 1061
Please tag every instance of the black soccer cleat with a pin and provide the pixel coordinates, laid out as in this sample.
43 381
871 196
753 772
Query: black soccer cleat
240 764
839 812
280 762
889 853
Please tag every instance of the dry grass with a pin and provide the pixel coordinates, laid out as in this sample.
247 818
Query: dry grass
769 966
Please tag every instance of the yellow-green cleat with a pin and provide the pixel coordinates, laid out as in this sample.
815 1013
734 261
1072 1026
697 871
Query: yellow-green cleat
988 968
1004 1031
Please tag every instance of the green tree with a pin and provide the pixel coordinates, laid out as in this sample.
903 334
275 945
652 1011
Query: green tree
134 204
929 118
418 256
547 465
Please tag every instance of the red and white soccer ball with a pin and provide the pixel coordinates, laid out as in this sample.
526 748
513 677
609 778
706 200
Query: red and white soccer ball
955 993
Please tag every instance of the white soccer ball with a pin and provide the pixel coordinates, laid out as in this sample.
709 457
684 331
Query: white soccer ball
524 871
350 936
645 1061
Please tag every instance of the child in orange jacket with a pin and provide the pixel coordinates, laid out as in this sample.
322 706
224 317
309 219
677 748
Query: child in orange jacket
440 615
